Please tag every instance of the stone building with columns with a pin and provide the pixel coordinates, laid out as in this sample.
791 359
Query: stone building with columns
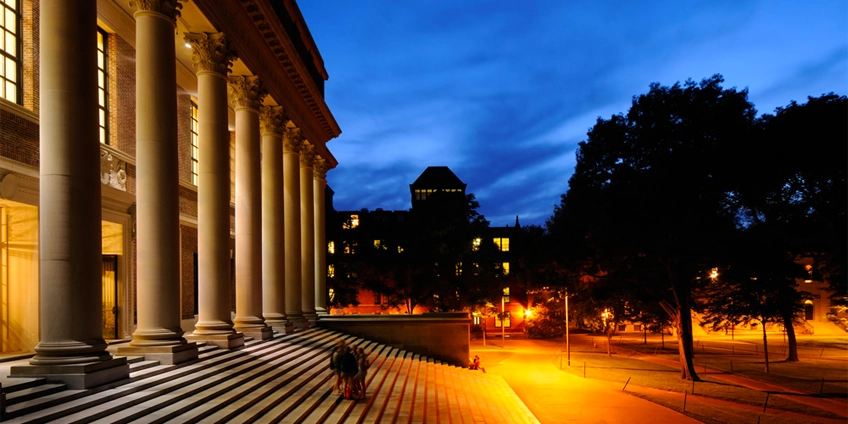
161 182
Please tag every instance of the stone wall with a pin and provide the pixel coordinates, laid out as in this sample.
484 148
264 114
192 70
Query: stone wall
442 336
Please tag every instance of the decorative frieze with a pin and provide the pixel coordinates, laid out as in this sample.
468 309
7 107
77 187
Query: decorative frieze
292 140
307 155
272 119
169 8
211 52
113 171
247 92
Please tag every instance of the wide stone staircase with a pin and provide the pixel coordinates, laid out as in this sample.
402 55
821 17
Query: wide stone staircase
285 379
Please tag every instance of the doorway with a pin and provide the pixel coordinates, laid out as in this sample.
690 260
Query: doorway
808 310
110 296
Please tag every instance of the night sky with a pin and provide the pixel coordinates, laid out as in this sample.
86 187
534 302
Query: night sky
501 91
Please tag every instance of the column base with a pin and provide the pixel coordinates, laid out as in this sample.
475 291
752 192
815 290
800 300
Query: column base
79 376
166 355
322 312
224 341
312 317
258 333
285 327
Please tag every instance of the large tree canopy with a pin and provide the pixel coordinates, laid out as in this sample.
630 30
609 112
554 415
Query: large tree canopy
649 191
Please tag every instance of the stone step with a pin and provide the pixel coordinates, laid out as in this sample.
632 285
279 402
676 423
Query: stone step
31 393
136 391
14 384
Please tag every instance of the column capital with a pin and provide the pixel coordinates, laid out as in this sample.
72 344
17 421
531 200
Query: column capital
292 140
307 155
169 8
211 52
320 168
246 92
272 120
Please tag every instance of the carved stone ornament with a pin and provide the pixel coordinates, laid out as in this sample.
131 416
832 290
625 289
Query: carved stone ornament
292 140
272 119
307 155
246 91
319 168
169 8
113 171
211 52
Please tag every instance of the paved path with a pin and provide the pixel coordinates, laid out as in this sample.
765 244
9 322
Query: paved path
555 396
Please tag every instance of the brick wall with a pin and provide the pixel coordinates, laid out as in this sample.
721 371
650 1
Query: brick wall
18 138
121 95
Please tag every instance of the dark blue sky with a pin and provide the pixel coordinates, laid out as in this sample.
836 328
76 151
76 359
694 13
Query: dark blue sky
501 91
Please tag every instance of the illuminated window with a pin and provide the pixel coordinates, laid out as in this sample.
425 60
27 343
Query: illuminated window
503 244
332 295
475 244
507 320
459 268
505 268
353 222
102 85
349 248
400 249
506 294
331 247
380 244
331 271
10 67
194 169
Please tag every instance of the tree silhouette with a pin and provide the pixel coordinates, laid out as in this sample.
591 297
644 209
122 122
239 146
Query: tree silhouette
649 191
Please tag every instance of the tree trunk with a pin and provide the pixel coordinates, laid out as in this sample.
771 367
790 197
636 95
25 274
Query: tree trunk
792 344
765 345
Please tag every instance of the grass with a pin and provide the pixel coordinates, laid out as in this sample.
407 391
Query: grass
747 360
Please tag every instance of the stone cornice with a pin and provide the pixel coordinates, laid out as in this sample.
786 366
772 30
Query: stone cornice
169 8
307 155
272 120
246 92
210 52
292 140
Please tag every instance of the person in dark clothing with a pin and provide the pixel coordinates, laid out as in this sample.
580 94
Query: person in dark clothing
336 364
349 369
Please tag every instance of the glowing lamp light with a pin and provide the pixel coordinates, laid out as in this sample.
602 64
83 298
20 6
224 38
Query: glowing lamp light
714 273
528 313
188 45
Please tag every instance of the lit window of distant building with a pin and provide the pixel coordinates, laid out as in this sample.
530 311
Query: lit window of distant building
459 268
506 294
400 249
505 266
102 85
349 248
331 247
503 244
380 244
332 294
331 271
10 56
353 222
507 320
475 244
194 124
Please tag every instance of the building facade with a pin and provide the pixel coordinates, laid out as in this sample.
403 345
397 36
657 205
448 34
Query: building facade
162 181
384 237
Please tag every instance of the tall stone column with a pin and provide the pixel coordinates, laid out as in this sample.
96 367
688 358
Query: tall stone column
246 94
273 122
319 182
307 234
71 346
158 335
292 143
212 58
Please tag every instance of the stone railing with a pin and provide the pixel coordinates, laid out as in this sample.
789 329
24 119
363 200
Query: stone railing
442 336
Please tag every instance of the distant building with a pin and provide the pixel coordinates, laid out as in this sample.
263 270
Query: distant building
350 232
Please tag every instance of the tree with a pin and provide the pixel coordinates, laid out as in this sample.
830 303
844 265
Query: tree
791 196
649 189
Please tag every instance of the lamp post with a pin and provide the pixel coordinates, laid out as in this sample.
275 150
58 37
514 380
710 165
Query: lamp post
567 344
503 322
